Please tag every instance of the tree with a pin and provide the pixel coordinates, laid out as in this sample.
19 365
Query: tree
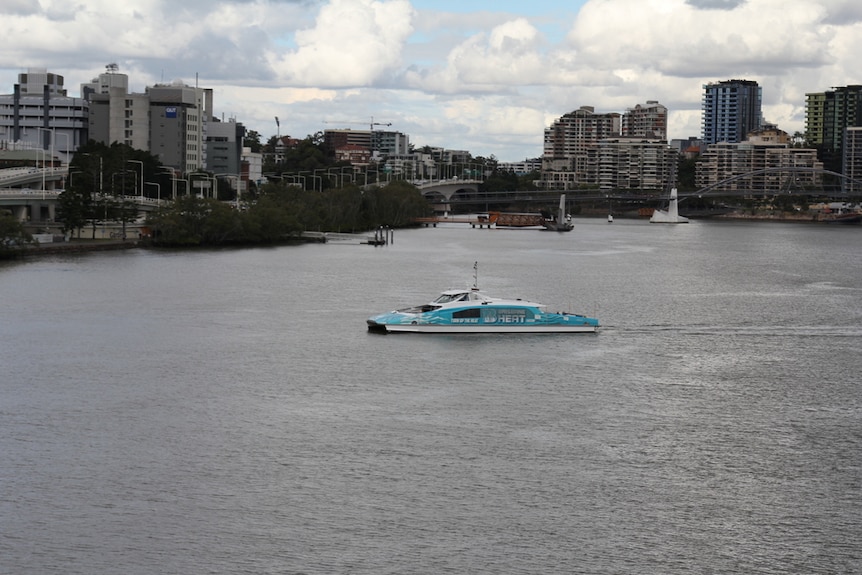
74 207
686 170
252 141
13 236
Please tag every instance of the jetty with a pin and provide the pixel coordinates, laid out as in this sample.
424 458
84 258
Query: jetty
498 219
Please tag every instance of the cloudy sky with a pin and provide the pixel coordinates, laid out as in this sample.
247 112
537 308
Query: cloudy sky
480 75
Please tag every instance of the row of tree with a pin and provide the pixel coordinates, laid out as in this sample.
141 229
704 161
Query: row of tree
282 212
105 183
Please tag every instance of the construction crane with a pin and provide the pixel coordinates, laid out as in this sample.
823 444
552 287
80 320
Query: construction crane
370 125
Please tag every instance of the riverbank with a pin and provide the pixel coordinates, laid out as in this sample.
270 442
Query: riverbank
72 246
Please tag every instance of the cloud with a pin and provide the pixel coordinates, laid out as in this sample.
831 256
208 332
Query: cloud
486 80
501 59
715 4
353 43
678 39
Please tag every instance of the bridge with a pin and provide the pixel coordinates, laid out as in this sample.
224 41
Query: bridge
31 193
446 189
37 206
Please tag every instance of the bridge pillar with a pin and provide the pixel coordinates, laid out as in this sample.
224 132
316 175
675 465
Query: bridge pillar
21 213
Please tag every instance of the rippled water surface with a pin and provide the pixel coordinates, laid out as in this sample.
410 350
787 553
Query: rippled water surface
227 411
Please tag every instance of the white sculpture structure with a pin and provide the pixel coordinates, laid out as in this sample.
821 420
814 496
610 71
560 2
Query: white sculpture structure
671 216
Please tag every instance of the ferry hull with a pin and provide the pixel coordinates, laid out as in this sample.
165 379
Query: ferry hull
430 328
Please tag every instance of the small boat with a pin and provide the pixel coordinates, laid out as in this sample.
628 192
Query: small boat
841 215
846 218
471 311
562 222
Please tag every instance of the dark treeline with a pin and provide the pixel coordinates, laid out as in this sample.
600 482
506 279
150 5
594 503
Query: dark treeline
281 212
105 180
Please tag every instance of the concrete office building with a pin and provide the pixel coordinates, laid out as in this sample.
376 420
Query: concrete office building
115 114
39 114
225 146
169 120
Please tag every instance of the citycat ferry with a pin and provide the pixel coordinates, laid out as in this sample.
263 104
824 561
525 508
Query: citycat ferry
471 311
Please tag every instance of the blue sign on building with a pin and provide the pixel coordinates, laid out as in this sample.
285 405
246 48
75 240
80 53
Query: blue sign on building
170 112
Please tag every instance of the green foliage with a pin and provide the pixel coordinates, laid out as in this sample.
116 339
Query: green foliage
282 212
197 221
13 236
74 208
307 156
101 178
252 141
686 169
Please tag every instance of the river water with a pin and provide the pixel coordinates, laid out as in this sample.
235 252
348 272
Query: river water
227 411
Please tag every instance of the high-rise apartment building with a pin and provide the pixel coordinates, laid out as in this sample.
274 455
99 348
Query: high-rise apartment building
571 141
636 164
852 152
753 159
612 151
827 116
646 121
731 109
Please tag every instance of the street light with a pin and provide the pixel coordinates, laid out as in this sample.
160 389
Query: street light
238 184
142 176
321 177
172 173
52 153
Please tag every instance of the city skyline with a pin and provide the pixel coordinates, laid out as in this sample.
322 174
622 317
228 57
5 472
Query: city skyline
487 77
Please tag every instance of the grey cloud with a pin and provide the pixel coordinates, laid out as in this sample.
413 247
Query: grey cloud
715 4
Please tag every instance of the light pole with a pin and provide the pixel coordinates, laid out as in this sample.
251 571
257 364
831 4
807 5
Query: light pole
321 177
52 153
142 176
238 184
173 179
351 176
312 181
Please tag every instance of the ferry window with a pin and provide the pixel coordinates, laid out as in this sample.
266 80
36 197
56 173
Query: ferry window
466 313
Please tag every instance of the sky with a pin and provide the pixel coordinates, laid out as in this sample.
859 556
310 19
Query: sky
477 75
